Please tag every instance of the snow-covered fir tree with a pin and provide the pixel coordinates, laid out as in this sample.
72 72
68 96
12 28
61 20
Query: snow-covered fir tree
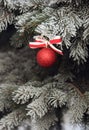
39 95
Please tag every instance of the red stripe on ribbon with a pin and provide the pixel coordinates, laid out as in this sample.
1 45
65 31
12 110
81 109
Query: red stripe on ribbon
55 41
41 42
36 46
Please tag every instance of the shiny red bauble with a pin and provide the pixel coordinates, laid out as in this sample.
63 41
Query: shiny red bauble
46 57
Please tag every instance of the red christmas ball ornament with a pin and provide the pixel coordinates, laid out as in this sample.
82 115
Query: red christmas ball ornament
46 57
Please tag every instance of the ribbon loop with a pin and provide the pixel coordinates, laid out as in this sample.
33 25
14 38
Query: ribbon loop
42 42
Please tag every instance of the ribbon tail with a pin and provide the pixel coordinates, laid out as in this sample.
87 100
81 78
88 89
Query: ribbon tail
55 49
56 40
35 45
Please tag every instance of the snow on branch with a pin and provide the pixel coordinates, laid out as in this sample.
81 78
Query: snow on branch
38 108
79 52
86 31
5 19
30 20
12 120
57 98
62 21
24 5
21 5
6 96
24 93
45 122
78 107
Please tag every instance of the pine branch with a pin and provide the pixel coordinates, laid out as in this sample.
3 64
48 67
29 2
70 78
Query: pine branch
78 107
45 122
12 120
22 6
77 104
19 39
57 98
86 31
38 108
62 21
65 75
6 96
86 94
24 93
75 100
25 5
79 51
5 18
25 25
30 20
76 88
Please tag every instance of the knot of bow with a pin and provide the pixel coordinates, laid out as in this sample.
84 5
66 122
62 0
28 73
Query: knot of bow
42 42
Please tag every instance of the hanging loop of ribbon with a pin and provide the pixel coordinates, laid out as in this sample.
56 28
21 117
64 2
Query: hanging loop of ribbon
42 42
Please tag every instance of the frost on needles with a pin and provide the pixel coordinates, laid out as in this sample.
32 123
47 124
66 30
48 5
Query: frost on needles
37 98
